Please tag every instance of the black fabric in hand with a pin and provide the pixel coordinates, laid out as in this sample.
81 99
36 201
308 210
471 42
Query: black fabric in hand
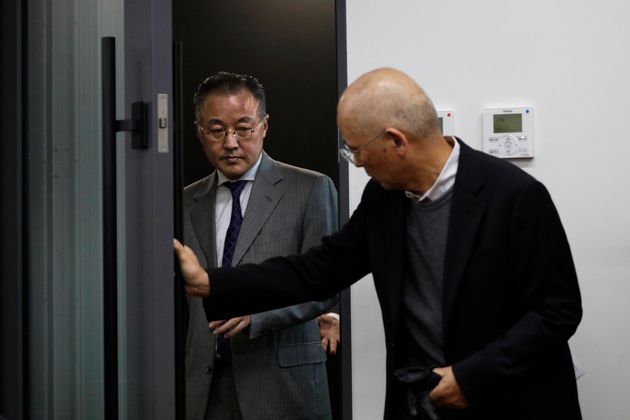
418 382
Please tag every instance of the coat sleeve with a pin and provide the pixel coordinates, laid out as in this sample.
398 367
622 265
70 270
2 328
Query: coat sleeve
318 274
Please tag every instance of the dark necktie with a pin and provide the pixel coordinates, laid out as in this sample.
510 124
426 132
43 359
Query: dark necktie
231 237
236 220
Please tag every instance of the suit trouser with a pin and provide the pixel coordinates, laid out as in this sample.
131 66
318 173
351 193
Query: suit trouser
223 401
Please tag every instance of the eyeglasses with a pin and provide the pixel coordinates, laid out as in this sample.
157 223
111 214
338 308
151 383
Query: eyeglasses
218 134
351 154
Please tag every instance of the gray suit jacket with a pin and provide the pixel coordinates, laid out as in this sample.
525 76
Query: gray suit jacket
278 362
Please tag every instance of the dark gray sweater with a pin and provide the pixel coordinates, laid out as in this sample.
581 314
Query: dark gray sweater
427 224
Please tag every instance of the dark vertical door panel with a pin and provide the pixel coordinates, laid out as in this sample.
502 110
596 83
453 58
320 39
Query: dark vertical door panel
11 255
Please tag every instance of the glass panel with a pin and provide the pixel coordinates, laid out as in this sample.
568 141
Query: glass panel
65 311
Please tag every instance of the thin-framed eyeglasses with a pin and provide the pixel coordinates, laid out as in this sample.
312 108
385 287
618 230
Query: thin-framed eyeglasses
351 154
218 134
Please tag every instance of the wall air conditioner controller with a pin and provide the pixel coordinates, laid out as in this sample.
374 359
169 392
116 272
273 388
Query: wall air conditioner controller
509 132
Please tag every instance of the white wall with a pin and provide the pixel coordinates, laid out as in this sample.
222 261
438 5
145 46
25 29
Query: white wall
570 60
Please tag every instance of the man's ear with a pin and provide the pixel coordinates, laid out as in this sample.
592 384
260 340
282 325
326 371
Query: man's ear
265 125
198 133
400 140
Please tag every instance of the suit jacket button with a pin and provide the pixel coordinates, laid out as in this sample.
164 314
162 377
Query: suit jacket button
208 370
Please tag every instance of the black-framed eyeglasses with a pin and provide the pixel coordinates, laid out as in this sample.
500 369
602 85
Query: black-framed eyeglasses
351 154
218 134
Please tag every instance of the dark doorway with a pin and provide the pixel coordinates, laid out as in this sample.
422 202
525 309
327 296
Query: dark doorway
291 47
294 48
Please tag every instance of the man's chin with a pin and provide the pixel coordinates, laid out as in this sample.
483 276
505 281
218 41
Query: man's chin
233 171
390 187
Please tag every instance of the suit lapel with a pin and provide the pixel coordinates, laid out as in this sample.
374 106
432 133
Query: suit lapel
262 200
466 215
202 218
394 263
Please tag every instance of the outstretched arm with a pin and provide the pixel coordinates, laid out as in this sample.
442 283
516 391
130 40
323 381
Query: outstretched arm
195 277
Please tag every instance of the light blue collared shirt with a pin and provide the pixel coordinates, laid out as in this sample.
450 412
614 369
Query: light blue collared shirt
223 205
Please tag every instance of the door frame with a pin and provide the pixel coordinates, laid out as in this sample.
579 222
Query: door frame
150 348
150 390
345 373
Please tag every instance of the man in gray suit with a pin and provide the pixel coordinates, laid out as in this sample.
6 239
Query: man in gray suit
268 365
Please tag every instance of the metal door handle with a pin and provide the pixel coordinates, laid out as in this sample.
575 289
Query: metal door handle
138 127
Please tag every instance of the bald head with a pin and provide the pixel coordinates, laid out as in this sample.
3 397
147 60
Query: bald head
387 98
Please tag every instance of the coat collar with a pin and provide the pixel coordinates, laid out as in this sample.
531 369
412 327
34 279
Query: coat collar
467 211
394 258
202 217
264 197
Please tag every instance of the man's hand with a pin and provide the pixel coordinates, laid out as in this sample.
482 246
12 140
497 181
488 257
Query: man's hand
447 393
329 332
230 327
196 278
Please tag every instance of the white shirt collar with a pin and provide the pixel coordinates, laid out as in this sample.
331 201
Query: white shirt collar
445 180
